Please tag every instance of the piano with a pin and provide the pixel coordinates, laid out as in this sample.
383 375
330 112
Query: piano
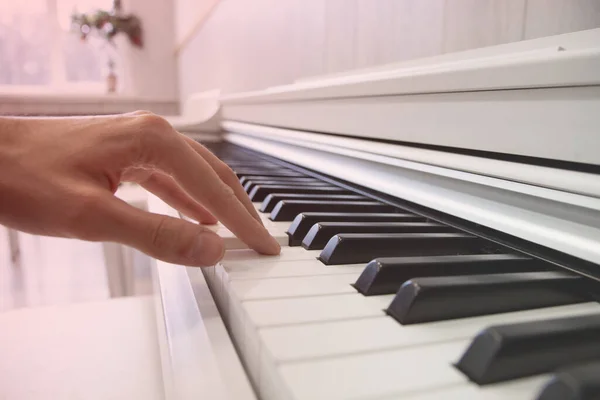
440 230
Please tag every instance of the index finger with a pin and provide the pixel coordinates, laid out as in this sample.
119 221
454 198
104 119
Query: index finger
172 154
226 175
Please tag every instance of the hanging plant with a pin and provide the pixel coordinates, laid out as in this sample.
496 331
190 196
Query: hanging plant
108 24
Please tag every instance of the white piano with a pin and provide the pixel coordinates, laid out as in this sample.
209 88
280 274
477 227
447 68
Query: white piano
440 223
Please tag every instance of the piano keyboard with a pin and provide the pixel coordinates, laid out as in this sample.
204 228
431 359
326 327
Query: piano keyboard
371 301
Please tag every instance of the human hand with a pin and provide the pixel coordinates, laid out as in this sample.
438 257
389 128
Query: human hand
58 177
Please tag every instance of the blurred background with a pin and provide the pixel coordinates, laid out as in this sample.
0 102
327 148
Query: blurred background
69 57
187 46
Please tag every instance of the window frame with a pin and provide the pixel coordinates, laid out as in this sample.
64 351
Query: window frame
58 81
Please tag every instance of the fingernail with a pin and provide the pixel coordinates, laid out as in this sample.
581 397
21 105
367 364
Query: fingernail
207 250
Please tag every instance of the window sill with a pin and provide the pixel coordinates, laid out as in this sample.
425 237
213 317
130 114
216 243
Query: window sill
40 102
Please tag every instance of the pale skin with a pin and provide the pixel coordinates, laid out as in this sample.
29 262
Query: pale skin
58 177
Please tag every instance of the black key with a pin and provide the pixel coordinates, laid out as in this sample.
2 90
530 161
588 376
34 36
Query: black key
288 179
246 178
280 173
287 210
579 382
259 192
504 352
448 297
251 165
353 248
318 236
249 185
386 275
303 222
271 200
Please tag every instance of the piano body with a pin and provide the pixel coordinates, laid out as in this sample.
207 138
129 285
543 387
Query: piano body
440 227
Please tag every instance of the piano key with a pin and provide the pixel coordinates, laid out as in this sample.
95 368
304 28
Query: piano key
286 269
273 173
274 288
274 180
259 192
244 165
250 257
316 309
231 241
374 375
287 210
386 275
352 248
271 200
579 382
419 300
249 185
380 333
246 178
521 389
504 352
318 236
303 222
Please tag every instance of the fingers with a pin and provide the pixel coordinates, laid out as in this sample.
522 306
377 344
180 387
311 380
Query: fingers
169 239
158 145
171 193
226 175
198 178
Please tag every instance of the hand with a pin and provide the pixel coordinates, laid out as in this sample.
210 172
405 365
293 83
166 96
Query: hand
58 177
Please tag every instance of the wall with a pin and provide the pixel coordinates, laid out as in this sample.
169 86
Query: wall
151 72
252 44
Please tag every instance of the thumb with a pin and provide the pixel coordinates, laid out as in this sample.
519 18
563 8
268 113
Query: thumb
169 239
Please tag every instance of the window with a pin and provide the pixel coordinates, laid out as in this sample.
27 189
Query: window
38 48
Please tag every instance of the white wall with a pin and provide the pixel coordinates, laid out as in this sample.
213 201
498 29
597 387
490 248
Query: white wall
250 44
151 72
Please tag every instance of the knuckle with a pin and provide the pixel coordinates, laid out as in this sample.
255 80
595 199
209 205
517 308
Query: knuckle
154 123
141 112
151 134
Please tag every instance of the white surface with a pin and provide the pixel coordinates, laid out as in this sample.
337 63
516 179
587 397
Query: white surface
200 113
152 70
352 336
99 350
279 42
504 102
544 67
197 356
188 14
508 172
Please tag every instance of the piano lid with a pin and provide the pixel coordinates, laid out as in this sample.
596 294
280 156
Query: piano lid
539 100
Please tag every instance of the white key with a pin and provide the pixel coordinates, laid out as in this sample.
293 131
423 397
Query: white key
285 268
250 257
264 313
520 389
277 229
380 333
233 242
380 374
247 259
257 289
